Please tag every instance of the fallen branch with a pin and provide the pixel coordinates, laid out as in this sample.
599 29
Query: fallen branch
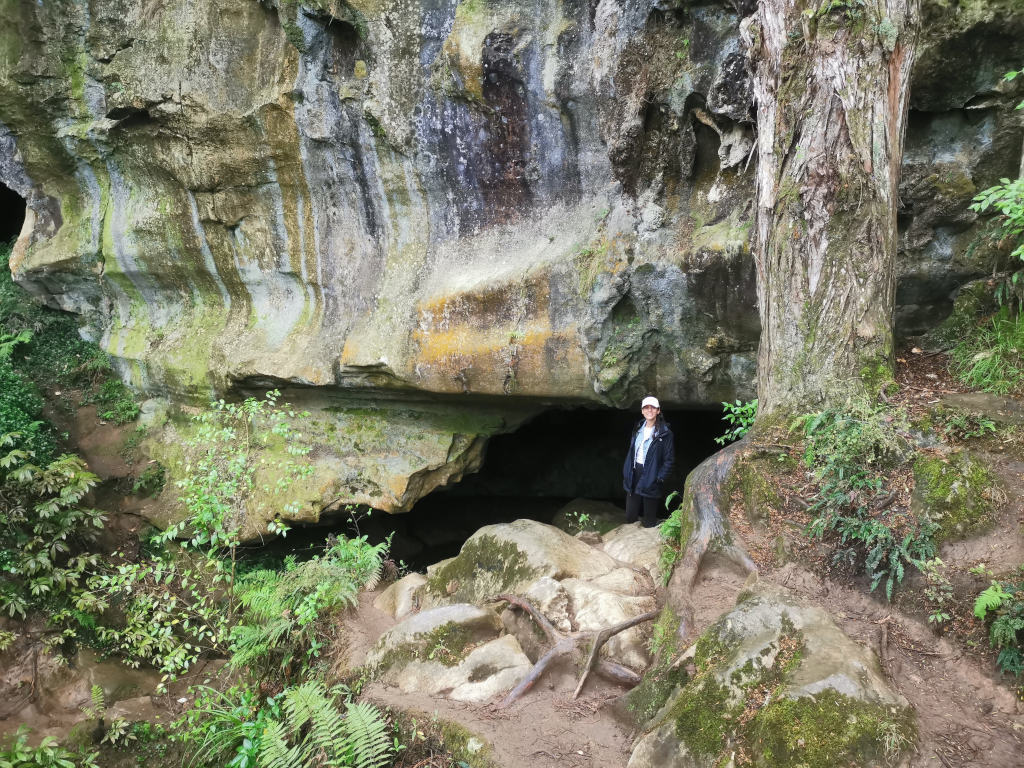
572 645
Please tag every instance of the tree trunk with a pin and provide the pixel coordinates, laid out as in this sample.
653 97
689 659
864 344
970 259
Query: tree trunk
831 85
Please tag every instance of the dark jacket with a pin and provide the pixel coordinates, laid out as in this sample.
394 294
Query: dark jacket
657 463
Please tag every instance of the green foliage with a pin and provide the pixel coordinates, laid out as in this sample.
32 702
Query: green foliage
228 476
44 530
956 426
740 418
990 357
1001 606
938 591
171 614
303 727
114 402
283 624
848 451
675 535
152 479
21 412
55 355
581 521
16 753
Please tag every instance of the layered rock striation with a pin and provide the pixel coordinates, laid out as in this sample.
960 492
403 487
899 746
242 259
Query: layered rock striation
543 200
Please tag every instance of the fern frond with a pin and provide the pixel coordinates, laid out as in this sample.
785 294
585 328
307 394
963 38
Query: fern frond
989 600
368 736
274 749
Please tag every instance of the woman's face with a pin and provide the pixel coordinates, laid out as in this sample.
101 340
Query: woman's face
650 412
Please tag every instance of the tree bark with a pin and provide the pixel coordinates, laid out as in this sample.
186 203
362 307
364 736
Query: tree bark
831 86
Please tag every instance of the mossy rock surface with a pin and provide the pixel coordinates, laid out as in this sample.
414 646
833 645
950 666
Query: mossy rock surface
508 558
955 492
777 680
454 650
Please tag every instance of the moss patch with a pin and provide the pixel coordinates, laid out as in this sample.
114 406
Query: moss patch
955 493
748 485
447 644
740 709
661 679
486 566
828 730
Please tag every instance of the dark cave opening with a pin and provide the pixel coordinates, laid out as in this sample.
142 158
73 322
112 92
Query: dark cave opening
12 214
558 456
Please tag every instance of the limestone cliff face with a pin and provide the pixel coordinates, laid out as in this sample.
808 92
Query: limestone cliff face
514 198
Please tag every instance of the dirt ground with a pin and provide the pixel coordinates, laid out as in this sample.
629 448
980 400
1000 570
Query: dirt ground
967 715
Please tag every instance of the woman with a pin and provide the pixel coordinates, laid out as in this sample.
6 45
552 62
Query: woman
649 459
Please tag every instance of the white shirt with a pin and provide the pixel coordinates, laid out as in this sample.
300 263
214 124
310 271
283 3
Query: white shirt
643 442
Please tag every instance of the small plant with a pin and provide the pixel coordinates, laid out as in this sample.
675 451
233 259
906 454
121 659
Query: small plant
1001 606
957 426
848 451
114 402
230 477
581 521
96 709
671 532
17 753
119 733
938 592
990 358
740 418
151 481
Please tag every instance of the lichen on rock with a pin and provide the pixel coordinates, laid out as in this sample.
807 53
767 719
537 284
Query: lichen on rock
777 682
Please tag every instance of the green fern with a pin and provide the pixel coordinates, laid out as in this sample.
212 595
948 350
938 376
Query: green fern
990 599
368 737
314 733
283 611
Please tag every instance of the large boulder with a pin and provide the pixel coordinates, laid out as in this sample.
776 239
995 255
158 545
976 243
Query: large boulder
574 584
777 681
454 650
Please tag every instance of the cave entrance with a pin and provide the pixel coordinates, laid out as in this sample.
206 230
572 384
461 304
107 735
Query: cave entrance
12 215
558 456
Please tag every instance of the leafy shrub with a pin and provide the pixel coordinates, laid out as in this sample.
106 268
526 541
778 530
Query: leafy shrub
171 614
303 727
44 530
284 611
230 474
740 418
938 591
848 451
991 357
16 753
21 407
1001 605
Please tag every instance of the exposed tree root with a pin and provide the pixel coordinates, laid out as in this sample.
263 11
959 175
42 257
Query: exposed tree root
703 499
574 645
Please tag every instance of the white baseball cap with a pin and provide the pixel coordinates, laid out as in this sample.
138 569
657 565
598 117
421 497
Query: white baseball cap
650 401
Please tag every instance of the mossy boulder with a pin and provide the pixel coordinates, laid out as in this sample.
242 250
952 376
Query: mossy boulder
453 650
955 492
508 558
776 680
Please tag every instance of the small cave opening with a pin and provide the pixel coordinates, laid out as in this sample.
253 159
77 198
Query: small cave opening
12 214
555 458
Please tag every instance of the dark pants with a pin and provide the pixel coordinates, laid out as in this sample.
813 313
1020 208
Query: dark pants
634 503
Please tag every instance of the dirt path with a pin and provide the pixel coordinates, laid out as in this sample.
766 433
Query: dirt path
965 716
